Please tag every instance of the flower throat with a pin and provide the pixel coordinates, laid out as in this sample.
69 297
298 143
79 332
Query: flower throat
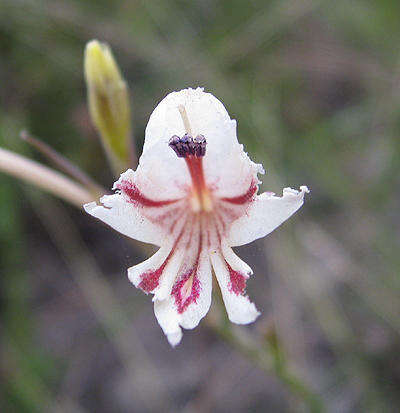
193 151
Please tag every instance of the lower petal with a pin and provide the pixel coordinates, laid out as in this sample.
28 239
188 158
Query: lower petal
195 307
171 317
190 297
154 274
232 274
168 321
146 274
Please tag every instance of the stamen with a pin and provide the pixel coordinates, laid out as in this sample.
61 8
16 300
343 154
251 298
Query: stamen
193 150
175 144
187 146
200 145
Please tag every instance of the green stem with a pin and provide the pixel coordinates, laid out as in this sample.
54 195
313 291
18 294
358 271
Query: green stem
298 387
269 357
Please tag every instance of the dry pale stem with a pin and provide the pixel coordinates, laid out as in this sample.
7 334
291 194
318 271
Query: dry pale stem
43 177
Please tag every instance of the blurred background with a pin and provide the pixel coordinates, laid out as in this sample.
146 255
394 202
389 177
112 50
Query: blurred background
315 88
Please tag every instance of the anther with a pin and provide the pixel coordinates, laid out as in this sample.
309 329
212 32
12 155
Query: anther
187 146
200 145
175 144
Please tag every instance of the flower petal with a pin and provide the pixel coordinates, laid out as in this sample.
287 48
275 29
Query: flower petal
232 174
196 310
226 166
168 321
161 174
234 261
190 298
149 271
125 218
265 214
231 278
207 116
155 274
171 320
179 255
136 215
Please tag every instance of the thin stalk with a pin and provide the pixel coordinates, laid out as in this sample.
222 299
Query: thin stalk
63 163
43 177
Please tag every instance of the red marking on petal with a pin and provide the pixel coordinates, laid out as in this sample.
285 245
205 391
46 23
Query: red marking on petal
168 218
220 220
182 299
151 278
171 228
136 197
219 235
244 198
237 281
231 212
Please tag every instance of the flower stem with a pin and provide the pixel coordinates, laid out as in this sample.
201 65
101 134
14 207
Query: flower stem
301 390
44 177
268 357
63 163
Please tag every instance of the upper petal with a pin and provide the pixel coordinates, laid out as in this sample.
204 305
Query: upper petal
265 214
231 174
161 174
227 168
207 116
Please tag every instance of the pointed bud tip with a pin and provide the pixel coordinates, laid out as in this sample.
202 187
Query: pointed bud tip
100 66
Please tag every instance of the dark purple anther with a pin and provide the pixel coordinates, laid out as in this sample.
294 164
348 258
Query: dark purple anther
187 146
187 143
200 145
192 147
175 144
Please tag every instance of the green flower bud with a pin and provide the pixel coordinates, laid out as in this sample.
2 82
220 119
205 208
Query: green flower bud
108 103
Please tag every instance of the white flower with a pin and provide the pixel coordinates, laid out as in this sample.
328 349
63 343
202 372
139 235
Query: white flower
194 194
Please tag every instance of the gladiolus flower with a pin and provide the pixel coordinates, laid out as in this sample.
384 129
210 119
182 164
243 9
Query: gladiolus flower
194 194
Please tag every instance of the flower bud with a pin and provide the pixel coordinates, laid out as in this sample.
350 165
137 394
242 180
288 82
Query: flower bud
108 103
